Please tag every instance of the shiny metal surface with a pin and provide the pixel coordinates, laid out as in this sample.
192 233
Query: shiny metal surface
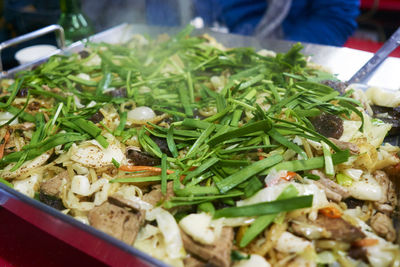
32 35
363 74
83 237
342 61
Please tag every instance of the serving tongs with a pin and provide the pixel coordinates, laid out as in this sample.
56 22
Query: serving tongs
363 74
29 36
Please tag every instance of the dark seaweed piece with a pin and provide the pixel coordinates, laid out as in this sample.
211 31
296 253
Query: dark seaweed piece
118 93
353 202
84 54
51 201
140 158
336 85
388 115
162 144
96 117
328 125
23 92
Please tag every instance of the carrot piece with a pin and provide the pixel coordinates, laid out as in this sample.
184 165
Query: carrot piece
366 242
3 145
132 168
331 212
260 157
289 176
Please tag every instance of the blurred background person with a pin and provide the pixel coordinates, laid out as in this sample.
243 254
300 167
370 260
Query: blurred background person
328 22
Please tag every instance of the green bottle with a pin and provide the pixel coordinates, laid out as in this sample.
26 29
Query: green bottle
75 23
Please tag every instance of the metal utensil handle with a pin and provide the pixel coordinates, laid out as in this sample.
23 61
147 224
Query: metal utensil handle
32 35
378 58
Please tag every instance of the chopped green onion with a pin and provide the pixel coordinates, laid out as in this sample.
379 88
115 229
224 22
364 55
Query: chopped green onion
7 183
343 179
329 170
171 142
247 172
262 222
203 167
121 125
266 208
264 125
200 140
164 173
116 163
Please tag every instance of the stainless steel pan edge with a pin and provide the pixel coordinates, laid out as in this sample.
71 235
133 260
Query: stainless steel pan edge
108 249
81 236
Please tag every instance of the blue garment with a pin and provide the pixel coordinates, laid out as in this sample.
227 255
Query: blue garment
328 22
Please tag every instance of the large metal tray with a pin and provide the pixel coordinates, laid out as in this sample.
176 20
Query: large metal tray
342 61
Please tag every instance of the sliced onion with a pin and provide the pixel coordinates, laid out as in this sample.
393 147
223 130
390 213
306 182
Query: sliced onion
141 113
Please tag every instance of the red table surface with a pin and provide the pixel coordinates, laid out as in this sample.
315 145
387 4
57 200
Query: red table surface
22 244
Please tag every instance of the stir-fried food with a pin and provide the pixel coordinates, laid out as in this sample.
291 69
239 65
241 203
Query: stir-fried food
198 154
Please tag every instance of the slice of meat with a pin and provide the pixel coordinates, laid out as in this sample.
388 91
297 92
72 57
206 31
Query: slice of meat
193 262
140 158
116 221
326 228
383 226
353 148
333 190
329 193
155 196
218 254
389 199
301 226
52 187
340 229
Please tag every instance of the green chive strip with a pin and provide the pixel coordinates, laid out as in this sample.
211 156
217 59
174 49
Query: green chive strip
121 125
247 172
264 221
246 148
284 141
206 133
329 170
91 128
185 100
164 174
14 91
82 81
23 115
309 164
171 142
266 208
7 183
203 167
264 125
42 147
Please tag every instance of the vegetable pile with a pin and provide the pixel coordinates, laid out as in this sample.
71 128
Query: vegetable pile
254 150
